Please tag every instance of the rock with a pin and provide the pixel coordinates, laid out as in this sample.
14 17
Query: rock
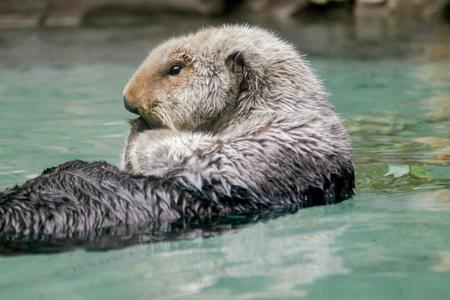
23 13
29 13
372 2
19 13
64 12
419 8
278 9
74 12
372 8
422 8
320 2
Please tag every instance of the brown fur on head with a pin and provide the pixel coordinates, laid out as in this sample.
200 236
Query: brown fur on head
223 75
153 79
201 89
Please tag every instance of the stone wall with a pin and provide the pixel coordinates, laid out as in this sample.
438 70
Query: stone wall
49 13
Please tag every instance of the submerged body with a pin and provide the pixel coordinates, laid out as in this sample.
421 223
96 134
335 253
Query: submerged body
233 121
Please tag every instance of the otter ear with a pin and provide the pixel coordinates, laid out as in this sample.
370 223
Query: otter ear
235 62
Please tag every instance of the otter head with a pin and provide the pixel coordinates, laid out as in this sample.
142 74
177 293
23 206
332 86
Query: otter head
184 84
199 80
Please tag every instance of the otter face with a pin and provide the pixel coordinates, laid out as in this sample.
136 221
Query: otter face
208 80
184 84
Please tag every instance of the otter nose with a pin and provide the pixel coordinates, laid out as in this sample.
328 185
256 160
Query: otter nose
128 107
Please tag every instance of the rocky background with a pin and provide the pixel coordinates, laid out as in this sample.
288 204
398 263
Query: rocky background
122 31
57 13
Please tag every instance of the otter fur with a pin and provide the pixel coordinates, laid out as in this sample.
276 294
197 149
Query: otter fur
232 121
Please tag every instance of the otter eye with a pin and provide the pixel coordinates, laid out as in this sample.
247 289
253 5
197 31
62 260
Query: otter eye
175 70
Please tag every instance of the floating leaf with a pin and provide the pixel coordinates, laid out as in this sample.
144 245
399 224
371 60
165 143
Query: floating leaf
397 171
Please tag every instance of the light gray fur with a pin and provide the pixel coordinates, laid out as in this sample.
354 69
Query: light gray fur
242 125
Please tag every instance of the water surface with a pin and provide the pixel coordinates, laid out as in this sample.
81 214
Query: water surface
391 241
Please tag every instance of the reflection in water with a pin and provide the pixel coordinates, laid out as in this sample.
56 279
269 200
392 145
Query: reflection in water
444 264
304 258
119 237
242 260
438 200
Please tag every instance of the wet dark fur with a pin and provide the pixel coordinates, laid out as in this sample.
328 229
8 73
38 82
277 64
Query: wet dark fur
77 197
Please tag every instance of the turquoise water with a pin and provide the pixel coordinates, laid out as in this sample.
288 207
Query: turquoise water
391 241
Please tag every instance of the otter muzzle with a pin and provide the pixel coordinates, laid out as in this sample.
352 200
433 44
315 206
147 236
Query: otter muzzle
128 107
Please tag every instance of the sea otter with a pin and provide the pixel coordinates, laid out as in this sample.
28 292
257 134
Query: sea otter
232 121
